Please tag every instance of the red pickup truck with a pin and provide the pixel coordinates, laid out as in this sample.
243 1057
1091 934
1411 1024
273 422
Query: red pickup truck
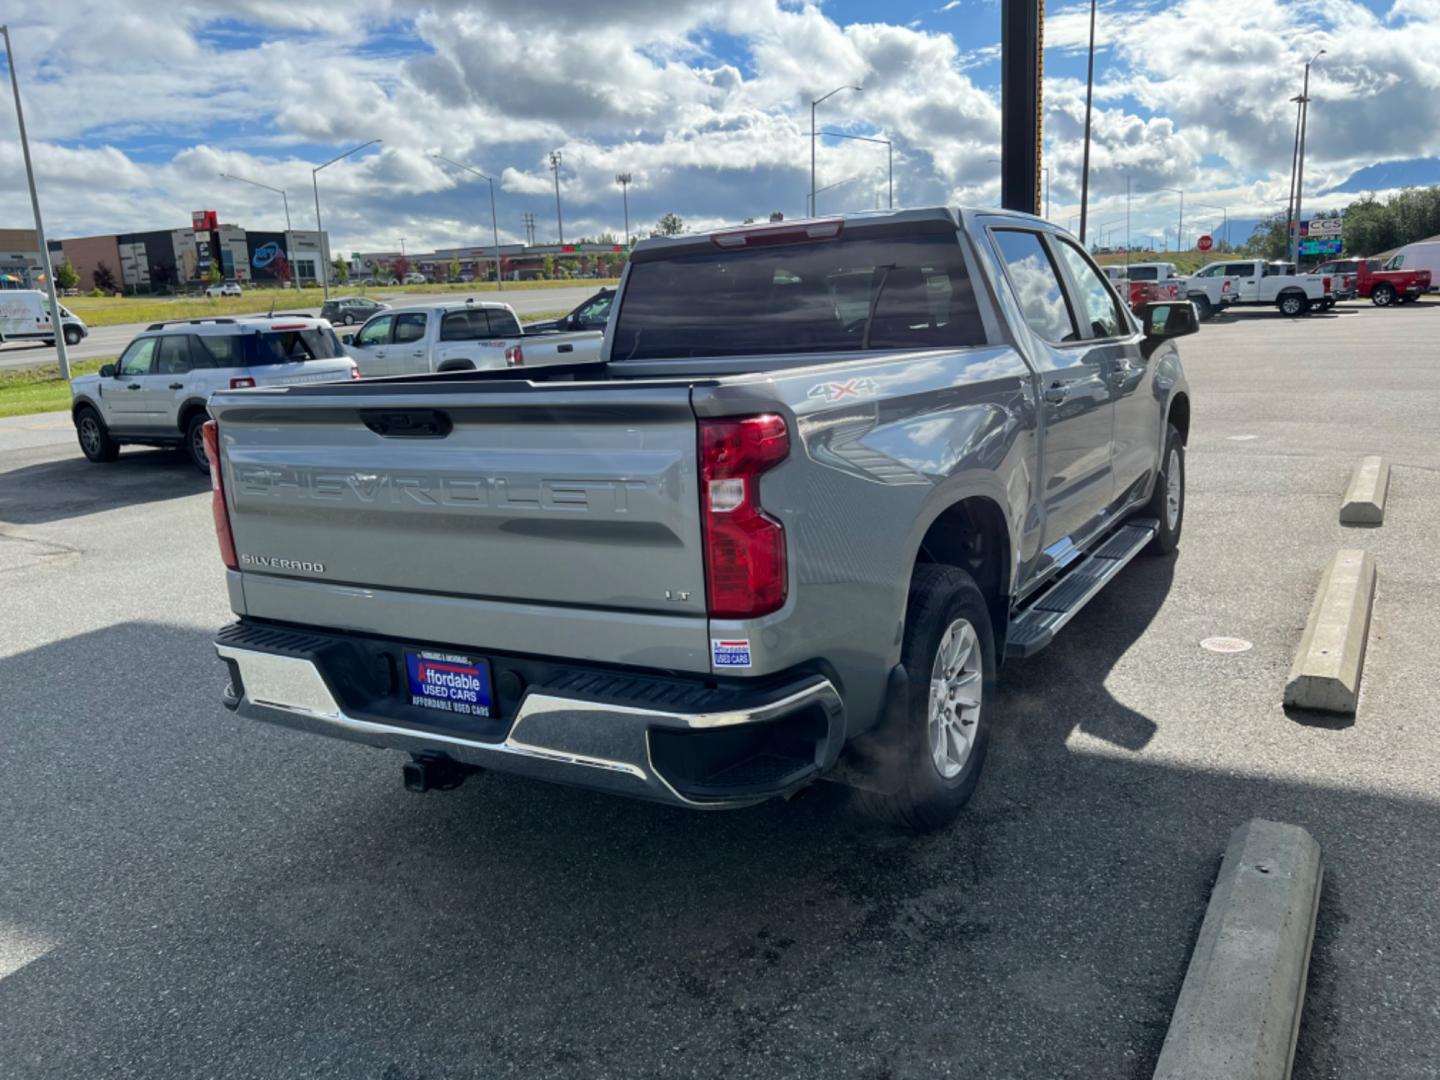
1365 278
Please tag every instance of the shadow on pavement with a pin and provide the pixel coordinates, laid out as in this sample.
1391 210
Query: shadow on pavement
206 896
74 487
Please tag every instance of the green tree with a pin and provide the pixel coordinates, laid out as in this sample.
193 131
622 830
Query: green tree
454 267
547 267
669 225
214 277
66 276
1267 241
342 270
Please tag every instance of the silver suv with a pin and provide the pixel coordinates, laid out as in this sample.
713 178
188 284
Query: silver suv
155 394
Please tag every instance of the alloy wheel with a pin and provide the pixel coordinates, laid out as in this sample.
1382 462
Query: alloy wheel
956 693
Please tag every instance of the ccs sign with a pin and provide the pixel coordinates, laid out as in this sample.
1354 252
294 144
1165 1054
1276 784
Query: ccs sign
1322 228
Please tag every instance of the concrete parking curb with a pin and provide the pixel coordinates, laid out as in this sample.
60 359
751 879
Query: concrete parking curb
1364 502
1331 657
1239 1009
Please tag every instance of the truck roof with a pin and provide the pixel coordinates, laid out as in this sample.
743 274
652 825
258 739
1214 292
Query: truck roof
219 326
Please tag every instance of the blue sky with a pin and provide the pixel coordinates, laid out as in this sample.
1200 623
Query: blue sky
135 108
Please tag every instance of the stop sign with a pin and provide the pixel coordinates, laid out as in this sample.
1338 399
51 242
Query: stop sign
1204 243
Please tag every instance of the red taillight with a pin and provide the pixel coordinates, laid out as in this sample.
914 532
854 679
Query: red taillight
788 233
218 510
744 546
514 356
1327 283
242 384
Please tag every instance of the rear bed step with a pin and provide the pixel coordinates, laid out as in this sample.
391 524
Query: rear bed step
1035 626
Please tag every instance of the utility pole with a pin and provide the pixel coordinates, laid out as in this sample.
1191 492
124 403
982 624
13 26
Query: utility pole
494 222
61 351
529 229
623 179
1300 167
1089 97
555 168
324 270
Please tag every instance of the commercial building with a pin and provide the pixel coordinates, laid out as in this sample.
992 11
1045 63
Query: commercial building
19 259
518 262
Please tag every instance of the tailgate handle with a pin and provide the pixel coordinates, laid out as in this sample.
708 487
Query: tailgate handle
566 348
407 423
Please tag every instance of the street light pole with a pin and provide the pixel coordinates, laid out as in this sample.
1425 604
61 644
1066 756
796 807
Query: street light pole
1224 216
813 106
494 221
889 157
1300 167
1089 96
61 352
319 228
267 187
623 179
555 168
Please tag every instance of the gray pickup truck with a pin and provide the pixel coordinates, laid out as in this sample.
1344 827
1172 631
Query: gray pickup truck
825 477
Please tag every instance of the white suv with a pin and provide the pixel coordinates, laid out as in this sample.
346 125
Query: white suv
228 288
155 394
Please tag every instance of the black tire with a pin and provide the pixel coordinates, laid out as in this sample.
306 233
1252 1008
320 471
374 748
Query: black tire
1204 310
1172 462
73 335
912 791
1383 295
349 319
1293 304
95 440
194 447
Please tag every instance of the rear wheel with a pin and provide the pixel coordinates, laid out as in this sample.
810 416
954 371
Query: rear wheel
95 441
1204 310
927 761
1293 304
195 442
1383 295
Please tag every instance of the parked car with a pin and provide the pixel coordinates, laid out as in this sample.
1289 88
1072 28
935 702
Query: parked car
349 310
763 543
414 277
1382 287
25 316
155 393
1421 255
225 288
1274 283
591 315
467 335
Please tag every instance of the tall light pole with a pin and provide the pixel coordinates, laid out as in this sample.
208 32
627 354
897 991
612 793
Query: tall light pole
1089 96
1224 215
61 352
889 157
319 228
267 187
494 221
1300 167
623 179
555 168
813 106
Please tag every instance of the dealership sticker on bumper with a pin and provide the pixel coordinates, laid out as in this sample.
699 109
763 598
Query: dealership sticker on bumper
449 683
731 653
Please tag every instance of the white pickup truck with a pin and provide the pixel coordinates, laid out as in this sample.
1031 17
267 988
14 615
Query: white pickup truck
1260 282
468 335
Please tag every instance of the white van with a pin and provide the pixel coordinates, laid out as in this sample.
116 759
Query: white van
1421 255
25 316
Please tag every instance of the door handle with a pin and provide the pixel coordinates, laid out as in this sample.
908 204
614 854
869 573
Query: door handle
177 386
1055 393
133 386
418 352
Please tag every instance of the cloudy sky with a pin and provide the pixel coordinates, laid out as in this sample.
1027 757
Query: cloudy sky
134 108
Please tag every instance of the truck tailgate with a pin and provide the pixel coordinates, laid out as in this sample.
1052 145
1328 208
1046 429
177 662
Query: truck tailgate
547 497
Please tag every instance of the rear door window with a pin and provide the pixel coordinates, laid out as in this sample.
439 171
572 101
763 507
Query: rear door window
478 324
1037 284
409 326
846 294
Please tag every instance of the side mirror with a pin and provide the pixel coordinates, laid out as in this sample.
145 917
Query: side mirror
347 339
1171 319
107 371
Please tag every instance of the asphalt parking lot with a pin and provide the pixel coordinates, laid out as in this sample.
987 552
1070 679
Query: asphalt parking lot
183 893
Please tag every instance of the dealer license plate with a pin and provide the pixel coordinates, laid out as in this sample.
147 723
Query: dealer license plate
449 683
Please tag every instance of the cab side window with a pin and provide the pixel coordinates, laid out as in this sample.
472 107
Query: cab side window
1096 300
139 357
409 327
1037 285
375 332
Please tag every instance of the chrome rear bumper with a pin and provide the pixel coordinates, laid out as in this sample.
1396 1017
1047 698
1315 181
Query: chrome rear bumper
553 737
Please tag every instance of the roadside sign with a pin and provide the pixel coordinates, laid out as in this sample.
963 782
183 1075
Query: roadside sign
1322 228
1204 243
1320 247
